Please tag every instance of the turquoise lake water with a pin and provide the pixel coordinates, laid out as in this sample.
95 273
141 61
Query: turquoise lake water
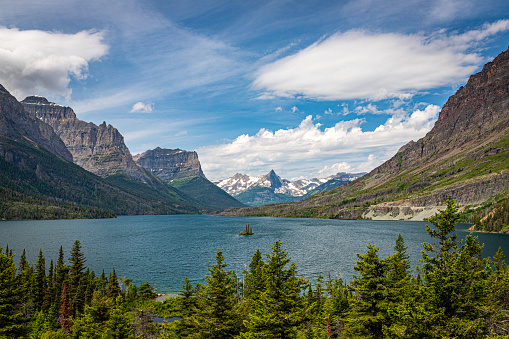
163 250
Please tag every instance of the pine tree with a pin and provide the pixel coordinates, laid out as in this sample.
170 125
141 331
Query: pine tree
23 262
113 290
368 311
61 274
11 318
64 320
279 309
50 285
188 298
24 281
101 283
397 267
216 316
40 282
253 282
76 277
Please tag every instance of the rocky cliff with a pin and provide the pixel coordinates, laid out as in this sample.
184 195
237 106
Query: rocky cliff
98 149
17 125
182 170
170 164
466 155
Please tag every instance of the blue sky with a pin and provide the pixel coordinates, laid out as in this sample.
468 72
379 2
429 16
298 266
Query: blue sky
307 88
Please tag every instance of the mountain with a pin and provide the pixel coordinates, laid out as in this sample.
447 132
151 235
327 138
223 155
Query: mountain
98 149
271 188
465 155
182 170
170 164
38 181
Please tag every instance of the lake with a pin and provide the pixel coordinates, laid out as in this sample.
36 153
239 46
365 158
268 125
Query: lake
163 250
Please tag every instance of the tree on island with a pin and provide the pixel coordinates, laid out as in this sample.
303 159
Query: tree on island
247 231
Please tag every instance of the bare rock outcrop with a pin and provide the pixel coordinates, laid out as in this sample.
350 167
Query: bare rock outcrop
170 164
98 149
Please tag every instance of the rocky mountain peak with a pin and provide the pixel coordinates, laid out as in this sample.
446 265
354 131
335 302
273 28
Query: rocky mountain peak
274 180
17 124
98 149
35 99
170 164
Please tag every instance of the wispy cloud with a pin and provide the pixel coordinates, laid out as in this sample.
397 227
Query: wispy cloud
359 64
38 62
181 134
310 145
141 107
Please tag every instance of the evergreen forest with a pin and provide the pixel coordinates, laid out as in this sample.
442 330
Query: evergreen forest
456 293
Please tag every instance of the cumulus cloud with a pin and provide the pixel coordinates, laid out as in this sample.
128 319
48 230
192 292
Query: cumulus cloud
304 149
370 108
334 169
359 64
141 107
39 62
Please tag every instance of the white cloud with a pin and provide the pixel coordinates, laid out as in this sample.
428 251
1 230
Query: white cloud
365 65
39 62
371 162
370 108
278 109
294 109
304 149
334 169
328 111
181 134
141 107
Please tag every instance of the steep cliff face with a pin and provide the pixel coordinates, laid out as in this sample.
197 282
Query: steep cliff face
170 164
17 124
465 155
98 149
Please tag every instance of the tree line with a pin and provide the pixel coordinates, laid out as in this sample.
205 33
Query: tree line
66 300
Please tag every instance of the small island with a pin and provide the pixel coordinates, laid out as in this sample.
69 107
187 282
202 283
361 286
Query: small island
247 231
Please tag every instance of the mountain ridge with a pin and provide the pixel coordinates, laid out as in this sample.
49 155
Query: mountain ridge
271 188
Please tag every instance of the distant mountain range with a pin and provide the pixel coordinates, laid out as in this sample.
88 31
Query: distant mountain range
271 188
465 155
